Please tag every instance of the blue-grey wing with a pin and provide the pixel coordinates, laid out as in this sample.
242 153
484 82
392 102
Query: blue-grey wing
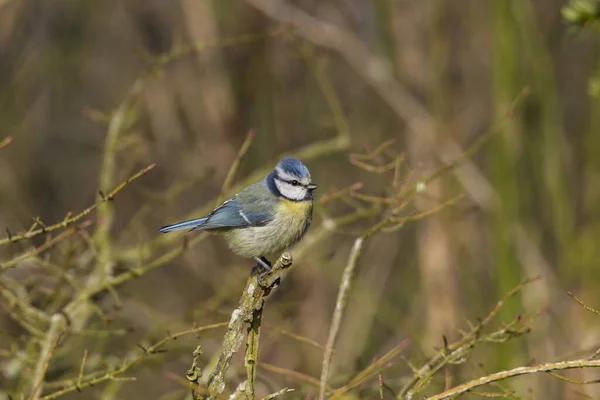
254 206
233 215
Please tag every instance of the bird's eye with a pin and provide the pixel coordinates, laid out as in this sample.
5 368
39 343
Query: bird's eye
294 182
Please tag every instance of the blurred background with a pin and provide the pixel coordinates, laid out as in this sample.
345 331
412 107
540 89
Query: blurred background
93 91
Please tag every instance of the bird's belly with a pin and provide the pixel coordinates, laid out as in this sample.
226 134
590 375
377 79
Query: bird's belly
285 229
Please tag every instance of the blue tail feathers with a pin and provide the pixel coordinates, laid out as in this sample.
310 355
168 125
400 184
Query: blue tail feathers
191 224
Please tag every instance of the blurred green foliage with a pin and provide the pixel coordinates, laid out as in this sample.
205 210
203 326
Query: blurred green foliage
582 13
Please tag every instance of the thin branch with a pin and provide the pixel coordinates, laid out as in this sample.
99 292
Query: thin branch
582 304
340 118
7 140
277 394
108 169
494 395
459 349
82 368
549 367
234 166
373 369
370 67
564 378
457 352
69 220
133 273
506 297
294 336
338 313
429 212
288 373
47 244
9 290
57 324
80 383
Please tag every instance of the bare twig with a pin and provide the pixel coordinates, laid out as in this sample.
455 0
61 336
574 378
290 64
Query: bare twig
277 394
459 349
57 324
327 88
582 304
389 206
82 382
373 369
370 67
338 313
294 336
7 140
564 378
49 243
72 219
288 373
108 168
234 166
466 387
82 368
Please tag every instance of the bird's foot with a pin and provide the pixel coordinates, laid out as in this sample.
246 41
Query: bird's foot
266 265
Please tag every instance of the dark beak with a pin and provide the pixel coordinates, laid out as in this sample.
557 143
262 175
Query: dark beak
311 186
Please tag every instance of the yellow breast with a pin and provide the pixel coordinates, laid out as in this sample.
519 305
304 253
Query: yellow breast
295 208
294 217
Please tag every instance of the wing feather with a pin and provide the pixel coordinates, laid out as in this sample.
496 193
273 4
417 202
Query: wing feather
253 206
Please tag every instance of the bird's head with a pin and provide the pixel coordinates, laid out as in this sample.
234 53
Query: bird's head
291 179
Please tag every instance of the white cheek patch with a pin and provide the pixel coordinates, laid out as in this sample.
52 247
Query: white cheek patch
291 192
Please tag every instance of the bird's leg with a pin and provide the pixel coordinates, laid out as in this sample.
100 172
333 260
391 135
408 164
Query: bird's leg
263 262
266 264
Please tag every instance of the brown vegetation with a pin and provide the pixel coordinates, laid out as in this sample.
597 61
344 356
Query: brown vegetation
455 144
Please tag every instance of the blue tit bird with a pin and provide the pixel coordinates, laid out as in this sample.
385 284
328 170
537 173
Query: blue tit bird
264 218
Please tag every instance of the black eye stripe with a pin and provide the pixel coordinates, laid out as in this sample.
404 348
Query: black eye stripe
297 183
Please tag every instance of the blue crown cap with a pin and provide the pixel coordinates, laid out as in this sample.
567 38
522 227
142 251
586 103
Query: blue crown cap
294 167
